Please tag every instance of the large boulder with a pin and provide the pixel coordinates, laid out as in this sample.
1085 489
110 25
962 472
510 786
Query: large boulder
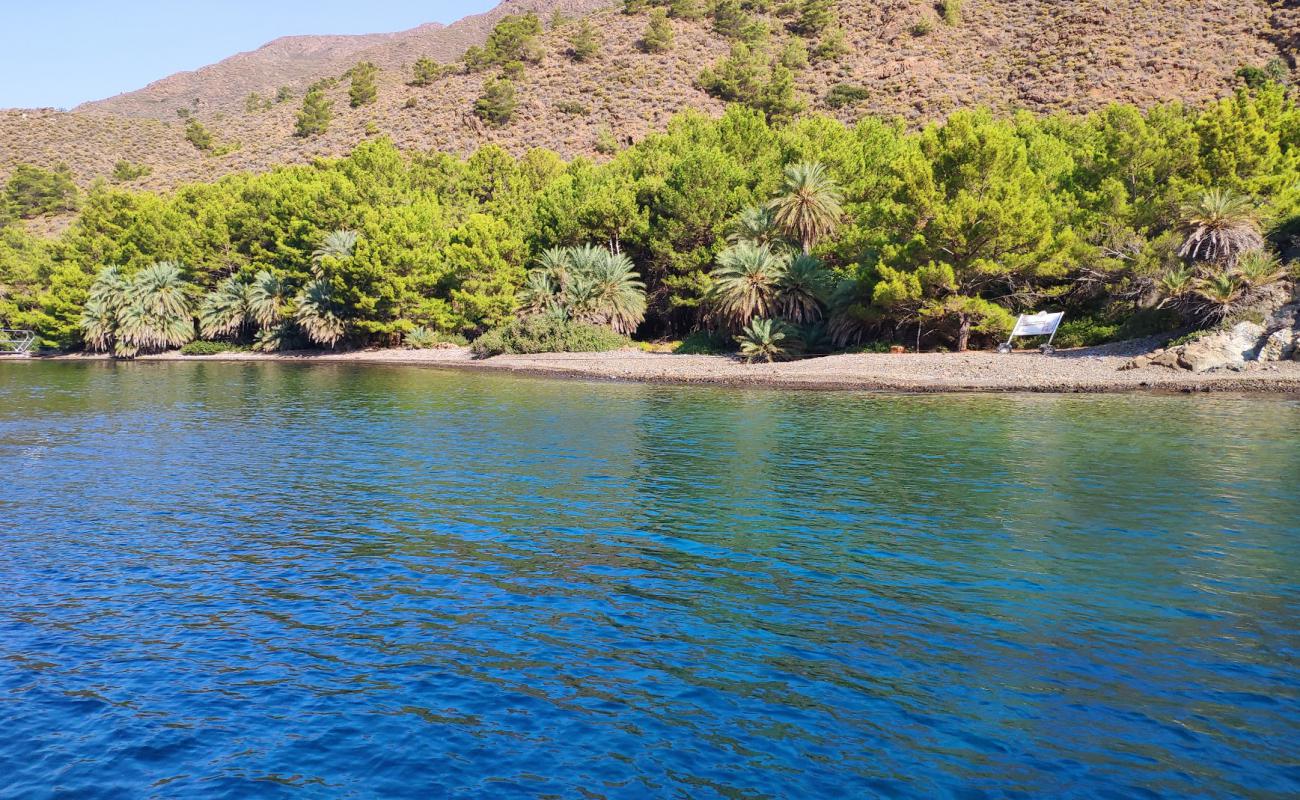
1232 347
1279 345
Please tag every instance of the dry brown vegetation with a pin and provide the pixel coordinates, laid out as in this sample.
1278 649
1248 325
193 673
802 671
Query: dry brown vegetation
1039 55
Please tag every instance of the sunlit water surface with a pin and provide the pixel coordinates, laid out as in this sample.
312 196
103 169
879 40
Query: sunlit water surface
228 580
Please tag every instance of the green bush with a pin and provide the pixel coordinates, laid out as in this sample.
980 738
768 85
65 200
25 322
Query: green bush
547 335
1086 332
34 192
199 347
125 171
705 343
951 10
426 339
846 94
498 103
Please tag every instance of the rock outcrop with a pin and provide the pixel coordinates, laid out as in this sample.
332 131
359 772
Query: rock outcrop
1276 339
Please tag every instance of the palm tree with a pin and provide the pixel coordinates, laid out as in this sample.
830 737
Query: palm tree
768 340
537 294
336 244
1259 268
267 299
316 315
586 283
617 293
755 225
1217 295
108 294
1219 227
746 283
148 312
809 206
803 286
555 265
228 311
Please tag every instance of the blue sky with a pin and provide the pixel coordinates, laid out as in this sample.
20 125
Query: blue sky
63 52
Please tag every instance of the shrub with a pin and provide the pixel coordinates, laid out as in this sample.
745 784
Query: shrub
426 339
846 94
497 104
606 144
1086 332
256 103
705 343
125 171
199 347
199 136
425 72
922 27
544 334
658 36
573 108
33 192
317 111
585 43
363 91
951 10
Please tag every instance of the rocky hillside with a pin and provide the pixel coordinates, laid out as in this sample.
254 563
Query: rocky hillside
901 58
294 62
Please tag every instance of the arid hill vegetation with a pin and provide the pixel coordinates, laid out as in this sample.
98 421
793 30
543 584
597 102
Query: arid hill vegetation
910 59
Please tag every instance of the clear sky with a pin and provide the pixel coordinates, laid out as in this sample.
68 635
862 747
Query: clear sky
63 52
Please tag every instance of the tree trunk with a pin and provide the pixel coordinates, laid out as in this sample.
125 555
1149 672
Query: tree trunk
963 332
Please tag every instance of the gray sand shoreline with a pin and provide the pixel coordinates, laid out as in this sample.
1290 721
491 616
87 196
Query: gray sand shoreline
1089 370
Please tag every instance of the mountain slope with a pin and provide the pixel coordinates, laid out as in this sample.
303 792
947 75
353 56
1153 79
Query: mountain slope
1041 55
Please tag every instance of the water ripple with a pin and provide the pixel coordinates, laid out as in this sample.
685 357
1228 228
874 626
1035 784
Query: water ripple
262 580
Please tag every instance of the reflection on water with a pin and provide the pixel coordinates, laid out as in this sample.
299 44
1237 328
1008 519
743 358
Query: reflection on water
236 580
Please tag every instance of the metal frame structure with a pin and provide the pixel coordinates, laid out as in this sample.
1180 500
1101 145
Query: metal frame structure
1041 324
16 343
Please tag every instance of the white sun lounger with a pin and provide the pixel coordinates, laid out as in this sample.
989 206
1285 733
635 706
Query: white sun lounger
1041 324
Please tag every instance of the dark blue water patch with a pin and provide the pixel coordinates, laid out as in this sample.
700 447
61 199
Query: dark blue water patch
259 580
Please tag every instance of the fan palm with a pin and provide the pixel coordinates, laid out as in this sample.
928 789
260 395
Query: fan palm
108 294
228 311
1259 268
746 283
809 206
157 313
1217 295
768 340
617 293
1220 226
336 244
1175 282
802 287
267 299
538 292
316 315
755 225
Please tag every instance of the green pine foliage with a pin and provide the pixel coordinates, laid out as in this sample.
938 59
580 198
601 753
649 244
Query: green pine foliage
496 106
659 35
363 90
316 114
35 192
517 37
585 43
950 230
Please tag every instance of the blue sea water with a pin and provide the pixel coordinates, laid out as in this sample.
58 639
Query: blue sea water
264 580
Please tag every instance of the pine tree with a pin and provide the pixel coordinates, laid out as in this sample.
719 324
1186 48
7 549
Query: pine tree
425 72
498 103
363 91
658 36
585 43
317 111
